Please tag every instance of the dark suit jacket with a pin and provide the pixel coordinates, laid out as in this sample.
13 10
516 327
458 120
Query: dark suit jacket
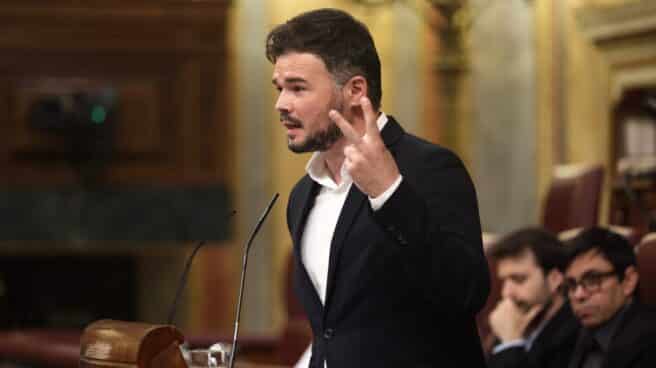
552 347
634 342
404 282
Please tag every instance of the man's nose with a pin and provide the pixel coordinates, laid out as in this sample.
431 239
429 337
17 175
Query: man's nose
506 290
578 292
283 104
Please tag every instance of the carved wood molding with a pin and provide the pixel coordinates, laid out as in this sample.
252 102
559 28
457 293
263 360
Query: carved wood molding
189 12
625 35
605 24
182 26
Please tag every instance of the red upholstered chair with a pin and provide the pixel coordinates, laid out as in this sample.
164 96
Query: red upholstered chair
646 254
40 347
630 233
573 197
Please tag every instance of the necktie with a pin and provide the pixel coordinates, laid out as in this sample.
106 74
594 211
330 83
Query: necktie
588 353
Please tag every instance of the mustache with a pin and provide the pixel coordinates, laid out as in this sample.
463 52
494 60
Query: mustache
292 122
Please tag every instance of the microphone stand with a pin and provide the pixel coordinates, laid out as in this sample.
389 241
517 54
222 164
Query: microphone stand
243 276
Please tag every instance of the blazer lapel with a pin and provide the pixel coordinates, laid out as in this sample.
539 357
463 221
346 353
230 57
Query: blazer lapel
354 204
307 193
555 332
392 132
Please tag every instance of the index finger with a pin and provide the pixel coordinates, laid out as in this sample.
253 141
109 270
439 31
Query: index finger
369 117
346 128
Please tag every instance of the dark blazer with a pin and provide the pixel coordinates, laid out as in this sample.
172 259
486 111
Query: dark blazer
634 342
552 348
404 282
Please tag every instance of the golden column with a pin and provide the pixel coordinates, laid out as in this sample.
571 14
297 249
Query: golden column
452 67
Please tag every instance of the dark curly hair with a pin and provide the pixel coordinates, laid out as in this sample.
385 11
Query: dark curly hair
343 43
615 248
549 252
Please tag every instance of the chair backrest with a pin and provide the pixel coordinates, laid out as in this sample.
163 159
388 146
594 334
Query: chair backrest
573 197
630 233
646 256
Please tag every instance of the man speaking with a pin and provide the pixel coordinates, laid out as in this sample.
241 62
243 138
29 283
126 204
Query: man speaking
389 265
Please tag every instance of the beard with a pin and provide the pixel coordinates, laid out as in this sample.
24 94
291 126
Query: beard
320 140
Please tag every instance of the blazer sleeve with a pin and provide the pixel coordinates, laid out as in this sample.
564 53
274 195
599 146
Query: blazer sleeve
515 357
433 217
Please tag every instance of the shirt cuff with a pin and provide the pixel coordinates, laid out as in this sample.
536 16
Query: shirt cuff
507 345
378 202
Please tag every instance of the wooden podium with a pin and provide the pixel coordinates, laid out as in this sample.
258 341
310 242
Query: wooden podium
118 344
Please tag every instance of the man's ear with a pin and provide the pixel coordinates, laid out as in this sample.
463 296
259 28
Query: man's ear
630 281
355 89
554 279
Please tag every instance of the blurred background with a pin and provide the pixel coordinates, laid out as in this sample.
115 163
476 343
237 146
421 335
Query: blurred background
130 129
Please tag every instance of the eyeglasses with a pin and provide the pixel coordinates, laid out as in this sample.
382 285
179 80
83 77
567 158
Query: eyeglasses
590 282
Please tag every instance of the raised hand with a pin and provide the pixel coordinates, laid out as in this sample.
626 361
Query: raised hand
367 160
509 322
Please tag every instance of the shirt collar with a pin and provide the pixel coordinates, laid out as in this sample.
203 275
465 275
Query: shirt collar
316 166
534 334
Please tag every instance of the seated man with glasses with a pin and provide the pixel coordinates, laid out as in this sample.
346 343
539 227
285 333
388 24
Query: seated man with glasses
533 323
601 281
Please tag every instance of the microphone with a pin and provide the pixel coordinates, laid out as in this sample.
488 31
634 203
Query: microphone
243 276
185 274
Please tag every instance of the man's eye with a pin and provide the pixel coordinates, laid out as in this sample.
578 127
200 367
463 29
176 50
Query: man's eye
590 279
518 279
298 88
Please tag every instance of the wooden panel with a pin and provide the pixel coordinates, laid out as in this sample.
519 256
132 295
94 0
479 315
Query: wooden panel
139 116
4 118
102 24
164 60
